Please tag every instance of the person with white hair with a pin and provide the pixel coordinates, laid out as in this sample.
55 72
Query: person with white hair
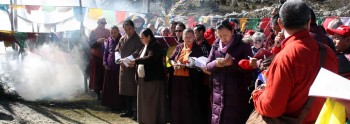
258 41
165 32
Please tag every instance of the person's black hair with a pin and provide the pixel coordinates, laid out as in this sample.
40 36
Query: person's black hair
199 27
188 30
148 33
274 20
174 23
313 16
295 14
224 24
181 25
128 22
114 27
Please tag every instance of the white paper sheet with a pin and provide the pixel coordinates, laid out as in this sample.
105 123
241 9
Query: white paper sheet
117 57
125 61
200 62
329 84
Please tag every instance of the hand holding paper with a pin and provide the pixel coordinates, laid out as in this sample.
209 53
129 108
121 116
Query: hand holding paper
200 62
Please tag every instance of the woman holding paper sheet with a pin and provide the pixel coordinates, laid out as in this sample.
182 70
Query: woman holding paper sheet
230 82
185 83
152 106
110 96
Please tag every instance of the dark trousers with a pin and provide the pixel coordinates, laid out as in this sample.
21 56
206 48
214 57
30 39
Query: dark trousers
130 102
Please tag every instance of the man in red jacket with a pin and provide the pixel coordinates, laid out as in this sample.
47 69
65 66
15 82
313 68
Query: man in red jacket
294 68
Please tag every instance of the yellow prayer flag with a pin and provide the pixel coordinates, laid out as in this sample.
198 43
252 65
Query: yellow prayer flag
17 6
95 13
332 112
243 22
167 21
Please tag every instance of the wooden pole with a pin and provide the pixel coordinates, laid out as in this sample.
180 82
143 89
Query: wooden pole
82 33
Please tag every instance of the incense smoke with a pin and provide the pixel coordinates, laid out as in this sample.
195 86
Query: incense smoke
48 73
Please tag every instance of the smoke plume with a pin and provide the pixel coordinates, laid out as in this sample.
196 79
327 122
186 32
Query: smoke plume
48 73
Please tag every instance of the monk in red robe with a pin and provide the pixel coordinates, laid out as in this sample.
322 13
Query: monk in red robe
96 41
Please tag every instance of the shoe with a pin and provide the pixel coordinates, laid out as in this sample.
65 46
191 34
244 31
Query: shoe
126 114
98 98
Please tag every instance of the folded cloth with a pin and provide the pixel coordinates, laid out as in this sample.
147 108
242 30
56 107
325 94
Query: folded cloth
141 70
117 57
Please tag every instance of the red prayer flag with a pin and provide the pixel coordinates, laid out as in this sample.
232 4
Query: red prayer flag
120 16
190 21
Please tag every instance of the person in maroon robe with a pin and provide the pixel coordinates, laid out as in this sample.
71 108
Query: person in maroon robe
186 82
96 41
110 96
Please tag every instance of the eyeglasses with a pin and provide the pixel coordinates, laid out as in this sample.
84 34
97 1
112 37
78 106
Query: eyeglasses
178 30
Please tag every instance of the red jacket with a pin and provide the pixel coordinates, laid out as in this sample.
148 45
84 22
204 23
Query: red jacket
290 77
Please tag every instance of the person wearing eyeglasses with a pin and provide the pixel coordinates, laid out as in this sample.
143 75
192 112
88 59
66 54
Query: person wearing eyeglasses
172 28
96 41
258 41
230 81
180 27
185 81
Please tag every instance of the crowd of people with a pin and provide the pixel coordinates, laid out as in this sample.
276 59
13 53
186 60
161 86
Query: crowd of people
129 74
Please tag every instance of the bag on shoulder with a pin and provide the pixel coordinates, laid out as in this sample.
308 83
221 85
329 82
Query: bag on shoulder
256 118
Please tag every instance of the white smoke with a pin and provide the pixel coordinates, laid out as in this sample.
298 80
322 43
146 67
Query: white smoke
48 73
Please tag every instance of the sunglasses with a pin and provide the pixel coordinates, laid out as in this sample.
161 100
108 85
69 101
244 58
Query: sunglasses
103 23
178 30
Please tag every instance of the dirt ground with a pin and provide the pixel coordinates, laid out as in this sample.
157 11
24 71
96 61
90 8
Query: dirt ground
81 110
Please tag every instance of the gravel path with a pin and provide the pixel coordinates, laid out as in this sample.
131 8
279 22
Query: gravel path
83 110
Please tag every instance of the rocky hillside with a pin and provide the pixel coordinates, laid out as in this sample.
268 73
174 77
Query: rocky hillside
254 8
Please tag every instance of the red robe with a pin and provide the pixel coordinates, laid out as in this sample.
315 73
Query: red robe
290 77
96 64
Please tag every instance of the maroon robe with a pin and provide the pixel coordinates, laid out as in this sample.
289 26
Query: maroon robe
110 96
185 97
96 65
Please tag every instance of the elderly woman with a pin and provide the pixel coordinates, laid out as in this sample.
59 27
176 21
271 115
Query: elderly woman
258 41
152 107
110 96
230 82
185 82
